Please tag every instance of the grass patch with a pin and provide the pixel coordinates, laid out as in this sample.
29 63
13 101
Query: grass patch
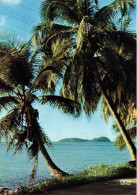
92 174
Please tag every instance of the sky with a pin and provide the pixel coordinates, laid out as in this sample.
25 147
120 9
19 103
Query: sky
19 17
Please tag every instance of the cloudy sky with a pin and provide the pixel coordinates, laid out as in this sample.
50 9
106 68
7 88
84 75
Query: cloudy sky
19 16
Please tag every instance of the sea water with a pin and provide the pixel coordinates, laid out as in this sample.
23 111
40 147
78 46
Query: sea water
72 157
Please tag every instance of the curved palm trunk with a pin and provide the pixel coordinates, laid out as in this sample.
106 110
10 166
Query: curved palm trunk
55 171
123 131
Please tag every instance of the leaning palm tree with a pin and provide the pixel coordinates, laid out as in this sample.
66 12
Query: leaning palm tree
97 51
20 125
124 98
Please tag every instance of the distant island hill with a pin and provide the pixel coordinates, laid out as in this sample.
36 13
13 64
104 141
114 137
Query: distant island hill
99 139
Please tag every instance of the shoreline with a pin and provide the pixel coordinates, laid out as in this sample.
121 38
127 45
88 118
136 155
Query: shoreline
98 174
108 187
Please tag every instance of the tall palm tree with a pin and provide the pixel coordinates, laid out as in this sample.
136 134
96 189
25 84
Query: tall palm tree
124 98
20 124
97 51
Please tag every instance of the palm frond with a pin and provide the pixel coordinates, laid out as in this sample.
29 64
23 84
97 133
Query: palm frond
7 102
5 87
33 149
67 105
17 140
52 10
105 113
17 70
43 33
119 141
9 123
15 66
91 90
96 2
44 138
48 78
11 141
123 6
82 34
10 41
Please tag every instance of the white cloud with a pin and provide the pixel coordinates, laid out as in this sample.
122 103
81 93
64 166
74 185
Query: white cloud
2 21
11 1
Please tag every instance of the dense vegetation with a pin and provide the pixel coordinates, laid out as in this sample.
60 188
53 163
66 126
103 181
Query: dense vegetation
73 140
94 55
99 139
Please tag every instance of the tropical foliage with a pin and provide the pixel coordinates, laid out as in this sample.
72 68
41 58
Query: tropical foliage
100 59
20 124
124 96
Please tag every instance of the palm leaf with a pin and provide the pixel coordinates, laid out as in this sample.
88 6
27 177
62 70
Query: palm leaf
17 70
44 33
4 87
33 149
67 105
48 79
82 34
44 138
10 41
7 102
17 140
119 141
9 123
111 10
58 9
15 66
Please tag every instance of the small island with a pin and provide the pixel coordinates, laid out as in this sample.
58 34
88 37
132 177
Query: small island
99 139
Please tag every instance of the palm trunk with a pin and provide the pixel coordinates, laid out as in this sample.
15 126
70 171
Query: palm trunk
123 131
55 171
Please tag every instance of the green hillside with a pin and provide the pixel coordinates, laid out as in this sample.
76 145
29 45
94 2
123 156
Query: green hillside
100 139
73 140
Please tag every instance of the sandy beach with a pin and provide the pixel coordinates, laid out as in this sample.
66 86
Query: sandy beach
111 187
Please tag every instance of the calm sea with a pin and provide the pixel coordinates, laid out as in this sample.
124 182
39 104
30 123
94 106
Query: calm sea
70 157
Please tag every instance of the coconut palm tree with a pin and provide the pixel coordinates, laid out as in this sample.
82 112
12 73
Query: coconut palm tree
97 51
124 95
20 125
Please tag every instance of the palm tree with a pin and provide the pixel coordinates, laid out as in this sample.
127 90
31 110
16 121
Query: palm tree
20 125
96 50
123 97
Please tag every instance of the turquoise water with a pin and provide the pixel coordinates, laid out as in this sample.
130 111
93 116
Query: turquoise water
70 157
